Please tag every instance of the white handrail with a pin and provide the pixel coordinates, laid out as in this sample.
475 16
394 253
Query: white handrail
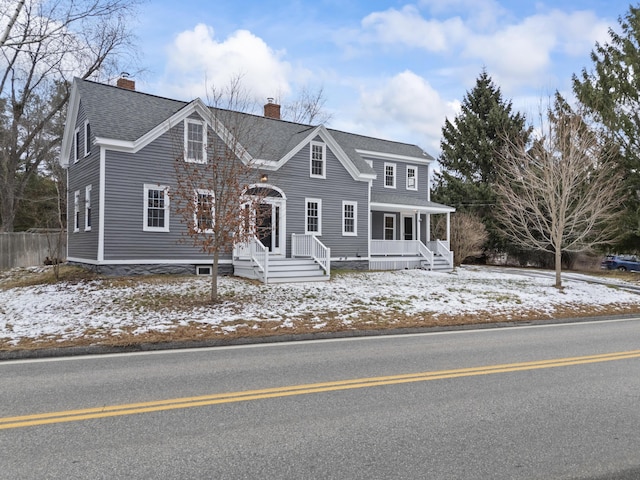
443 249
309 246
426 253
254 250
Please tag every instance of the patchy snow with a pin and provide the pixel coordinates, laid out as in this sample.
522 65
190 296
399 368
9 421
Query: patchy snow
106 307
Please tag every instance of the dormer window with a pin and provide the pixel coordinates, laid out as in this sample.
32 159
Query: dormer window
195 141
317 160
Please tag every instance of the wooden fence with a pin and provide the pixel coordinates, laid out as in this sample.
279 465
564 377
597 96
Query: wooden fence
28 249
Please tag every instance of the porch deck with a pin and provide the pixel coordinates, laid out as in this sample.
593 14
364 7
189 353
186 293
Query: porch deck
408 254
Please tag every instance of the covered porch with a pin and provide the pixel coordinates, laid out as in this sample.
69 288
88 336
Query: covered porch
402 236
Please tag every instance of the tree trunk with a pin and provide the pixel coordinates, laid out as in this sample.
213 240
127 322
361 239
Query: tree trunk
7 212
558 267
214 278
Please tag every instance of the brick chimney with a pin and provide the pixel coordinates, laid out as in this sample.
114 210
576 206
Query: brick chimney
272 109
127 83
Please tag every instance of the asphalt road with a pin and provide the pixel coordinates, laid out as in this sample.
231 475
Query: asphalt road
543 402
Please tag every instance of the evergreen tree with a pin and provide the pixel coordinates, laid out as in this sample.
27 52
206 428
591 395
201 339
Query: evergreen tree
470 152
611 94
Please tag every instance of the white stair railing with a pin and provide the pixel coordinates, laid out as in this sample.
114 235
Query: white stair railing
254 250
426 253
309 246
443 249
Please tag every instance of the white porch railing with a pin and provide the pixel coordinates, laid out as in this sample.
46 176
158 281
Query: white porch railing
255 251
441 247
310 246
412 247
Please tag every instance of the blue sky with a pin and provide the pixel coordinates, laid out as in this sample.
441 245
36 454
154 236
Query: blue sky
391 69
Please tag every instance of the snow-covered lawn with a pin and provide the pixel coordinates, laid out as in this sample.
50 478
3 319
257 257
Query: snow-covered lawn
109 308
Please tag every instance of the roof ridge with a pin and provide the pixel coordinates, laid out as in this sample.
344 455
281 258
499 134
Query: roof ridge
132 91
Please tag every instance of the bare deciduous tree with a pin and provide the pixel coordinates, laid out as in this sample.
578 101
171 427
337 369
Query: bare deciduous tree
562 194
307 108
43 46
468 236
216 196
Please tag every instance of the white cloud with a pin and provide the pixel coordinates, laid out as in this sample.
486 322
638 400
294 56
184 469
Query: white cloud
406 107
197 61
522 53
519 54
408 27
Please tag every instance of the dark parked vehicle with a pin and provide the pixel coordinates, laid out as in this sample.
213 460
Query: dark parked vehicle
621 262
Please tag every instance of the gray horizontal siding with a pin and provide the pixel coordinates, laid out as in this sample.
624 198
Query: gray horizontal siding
126 174
81 174
294 178
401 179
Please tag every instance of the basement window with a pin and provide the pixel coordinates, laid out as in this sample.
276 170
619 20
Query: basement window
203 269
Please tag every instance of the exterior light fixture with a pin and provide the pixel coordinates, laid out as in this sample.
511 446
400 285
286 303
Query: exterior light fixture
264 178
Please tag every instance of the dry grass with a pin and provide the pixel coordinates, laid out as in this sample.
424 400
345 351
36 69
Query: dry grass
327 322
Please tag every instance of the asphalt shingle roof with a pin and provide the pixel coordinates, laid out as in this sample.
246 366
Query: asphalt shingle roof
122 114
397 199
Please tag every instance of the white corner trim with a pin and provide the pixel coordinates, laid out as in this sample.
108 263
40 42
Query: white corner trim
101 196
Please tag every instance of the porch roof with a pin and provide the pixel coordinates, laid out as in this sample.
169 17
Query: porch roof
401 203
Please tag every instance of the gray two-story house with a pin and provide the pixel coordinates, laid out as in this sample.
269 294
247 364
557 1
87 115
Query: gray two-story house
335 199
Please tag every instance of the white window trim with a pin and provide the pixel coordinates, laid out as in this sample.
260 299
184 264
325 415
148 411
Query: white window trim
76 145
145 207
203 191
324 160
355 219
415 177
87 140
395 176
306 216
384 226
76 211
87 207
188 121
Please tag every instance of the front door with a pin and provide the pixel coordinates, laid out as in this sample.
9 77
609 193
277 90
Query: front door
269 229
407 224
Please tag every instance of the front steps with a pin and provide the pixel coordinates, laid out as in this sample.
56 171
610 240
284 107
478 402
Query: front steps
282 270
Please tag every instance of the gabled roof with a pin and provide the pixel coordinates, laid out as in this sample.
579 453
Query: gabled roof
129 119
123 114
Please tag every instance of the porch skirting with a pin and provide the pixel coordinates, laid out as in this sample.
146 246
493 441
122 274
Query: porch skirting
395 263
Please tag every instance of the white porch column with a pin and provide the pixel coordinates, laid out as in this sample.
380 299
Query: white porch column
428 227
449 228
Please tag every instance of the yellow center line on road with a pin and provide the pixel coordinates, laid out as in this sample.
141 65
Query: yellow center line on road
220 398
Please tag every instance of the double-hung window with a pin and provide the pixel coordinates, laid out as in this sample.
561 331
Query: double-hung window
204 210
389 227
156 208
313 216
87 138
318 160
390 175
76 211
87 208
412 177
349 218
195 141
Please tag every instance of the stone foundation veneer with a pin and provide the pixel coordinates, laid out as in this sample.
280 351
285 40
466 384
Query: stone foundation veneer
190 269
155 269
